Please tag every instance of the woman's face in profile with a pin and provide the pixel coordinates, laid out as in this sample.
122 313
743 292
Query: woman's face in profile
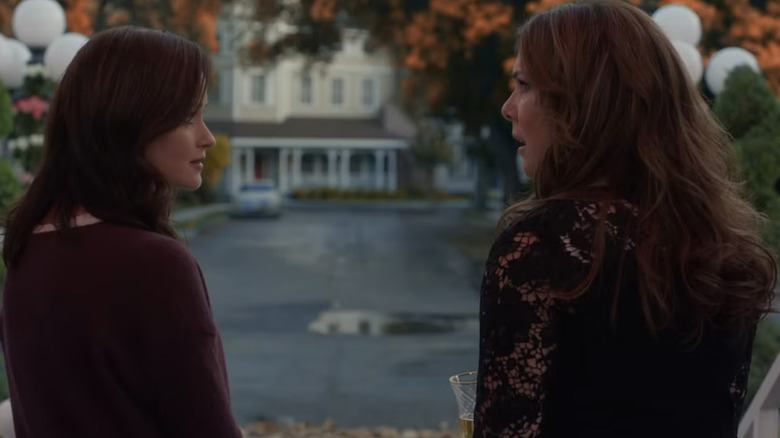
178 154
528 126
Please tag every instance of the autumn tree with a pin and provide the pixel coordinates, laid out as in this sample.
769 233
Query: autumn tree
194 19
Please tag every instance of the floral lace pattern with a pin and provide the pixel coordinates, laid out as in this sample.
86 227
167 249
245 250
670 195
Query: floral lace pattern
549 250
738 387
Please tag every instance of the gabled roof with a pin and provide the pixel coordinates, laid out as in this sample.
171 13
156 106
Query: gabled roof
393 123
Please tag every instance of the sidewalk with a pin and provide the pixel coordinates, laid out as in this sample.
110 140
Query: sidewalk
193 213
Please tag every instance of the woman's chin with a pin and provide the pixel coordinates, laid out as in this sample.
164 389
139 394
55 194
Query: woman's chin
189 186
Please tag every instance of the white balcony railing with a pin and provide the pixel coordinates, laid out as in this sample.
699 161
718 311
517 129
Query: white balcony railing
761 418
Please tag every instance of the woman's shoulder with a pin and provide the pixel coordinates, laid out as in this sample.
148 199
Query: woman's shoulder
155 260
567 215
563 229
138 246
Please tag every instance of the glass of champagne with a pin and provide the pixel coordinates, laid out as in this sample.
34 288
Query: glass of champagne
465 387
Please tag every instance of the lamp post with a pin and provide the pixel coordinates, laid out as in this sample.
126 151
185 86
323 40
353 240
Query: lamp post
41 48
683 27
37 23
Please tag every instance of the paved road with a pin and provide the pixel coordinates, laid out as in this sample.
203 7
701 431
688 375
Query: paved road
270 279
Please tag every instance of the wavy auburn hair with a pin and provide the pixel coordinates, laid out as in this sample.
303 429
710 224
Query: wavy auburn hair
124 88
622 110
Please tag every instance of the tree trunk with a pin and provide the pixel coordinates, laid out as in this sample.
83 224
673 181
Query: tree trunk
430 182
504 149
480 194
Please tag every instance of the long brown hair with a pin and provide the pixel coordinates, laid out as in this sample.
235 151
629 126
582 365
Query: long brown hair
623 110
124 88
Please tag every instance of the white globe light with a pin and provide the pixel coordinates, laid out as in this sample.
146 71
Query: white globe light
21 51
60 53
679 23
691 59
13 66
6 420
723 62
6 52
38 22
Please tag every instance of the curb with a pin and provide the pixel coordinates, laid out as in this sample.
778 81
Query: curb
419 206
191 222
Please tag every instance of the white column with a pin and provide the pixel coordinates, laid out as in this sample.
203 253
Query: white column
296 170
235 172
333 175
392 170
284 158
345 154
379 170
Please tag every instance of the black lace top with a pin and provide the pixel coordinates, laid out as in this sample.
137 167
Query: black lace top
562 368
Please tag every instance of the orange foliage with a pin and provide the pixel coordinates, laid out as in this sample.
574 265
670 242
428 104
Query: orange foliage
539 6
509 63
452 26
434 92
118 18
486 18
773 7
323 10
449 8
200 20
6 13
195 20
80 16
750 28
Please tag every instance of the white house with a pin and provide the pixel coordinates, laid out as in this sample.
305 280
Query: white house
326 126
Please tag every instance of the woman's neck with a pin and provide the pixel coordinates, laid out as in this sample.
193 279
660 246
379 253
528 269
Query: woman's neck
52 216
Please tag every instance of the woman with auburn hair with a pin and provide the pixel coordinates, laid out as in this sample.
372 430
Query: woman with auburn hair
622 299
106 324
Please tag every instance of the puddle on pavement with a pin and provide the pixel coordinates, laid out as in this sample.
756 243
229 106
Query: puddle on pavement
371 323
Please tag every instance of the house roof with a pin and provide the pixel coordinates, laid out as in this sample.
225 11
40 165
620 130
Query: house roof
307 128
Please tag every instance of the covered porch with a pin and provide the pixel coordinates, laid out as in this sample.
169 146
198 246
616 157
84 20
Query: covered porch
353 166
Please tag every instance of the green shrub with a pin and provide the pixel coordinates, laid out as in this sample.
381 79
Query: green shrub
6 112
10 188
750 112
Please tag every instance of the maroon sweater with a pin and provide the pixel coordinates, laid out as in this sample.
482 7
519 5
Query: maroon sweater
109 333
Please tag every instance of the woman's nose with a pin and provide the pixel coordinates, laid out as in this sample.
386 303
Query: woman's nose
505 111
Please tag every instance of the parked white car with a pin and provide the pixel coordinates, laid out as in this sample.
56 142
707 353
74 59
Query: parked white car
261 198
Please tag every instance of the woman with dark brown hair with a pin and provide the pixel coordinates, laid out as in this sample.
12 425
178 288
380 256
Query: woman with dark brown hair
106 324
622 299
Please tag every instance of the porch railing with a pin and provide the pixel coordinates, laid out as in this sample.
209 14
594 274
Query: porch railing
761 418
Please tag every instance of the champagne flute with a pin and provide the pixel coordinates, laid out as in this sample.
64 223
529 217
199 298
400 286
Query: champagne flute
465 387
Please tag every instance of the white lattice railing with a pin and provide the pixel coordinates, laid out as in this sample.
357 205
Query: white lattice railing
761 418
